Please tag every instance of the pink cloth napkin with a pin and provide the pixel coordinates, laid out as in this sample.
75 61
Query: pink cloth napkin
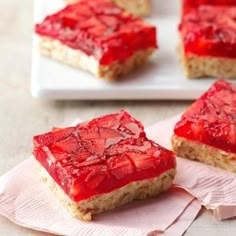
27 202
213 187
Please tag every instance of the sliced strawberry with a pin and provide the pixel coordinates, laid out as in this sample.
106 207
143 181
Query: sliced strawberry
127 145
60 134
98 30
120 166
90 23
107 133
68 145
96 176
91 160
44 139
142 161
82 154
111 21
40 155
94 145
89 133
109 121
77 188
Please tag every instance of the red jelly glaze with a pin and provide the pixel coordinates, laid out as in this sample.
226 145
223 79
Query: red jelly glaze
101 155
210 31
190 4
99 28
212 118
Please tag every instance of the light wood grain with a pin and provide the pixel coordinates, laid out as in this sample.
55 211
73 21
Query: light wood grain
21 116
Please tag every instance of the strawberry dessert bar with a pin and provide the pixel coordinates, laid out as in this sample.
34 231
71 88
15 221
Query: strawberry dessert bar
207 130
136 7
102 164
190 4
97 36
208 41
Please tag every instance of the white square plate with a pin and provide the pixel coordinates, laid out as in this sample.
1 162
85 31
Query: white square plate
161 78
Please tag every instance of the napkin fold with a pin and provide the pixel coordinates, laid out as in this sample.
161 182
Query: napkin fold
28 202
213 187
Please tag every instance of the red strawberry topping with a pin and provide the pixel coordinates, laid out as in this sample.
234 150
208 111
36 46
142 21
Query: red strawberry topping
212 118
101 155
210 31
190 4
99 28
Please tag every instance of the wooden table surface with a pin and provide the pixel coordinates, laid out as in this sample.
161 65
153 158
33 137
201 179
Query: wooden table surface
22 116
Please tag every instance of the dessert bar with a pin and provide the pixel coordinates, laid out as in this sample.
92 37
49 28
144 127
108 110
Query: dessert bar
207 130
102 164
97 36
208 41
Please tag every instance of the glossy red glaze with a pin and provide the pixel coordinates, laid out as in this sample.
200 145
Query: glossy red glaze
210 31
99 28
190 4
101 155
212 118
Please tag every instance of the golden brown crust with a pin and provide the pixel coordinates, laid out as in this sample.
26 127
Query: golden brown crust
85 209
136 7
203 66
58 51
204 153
